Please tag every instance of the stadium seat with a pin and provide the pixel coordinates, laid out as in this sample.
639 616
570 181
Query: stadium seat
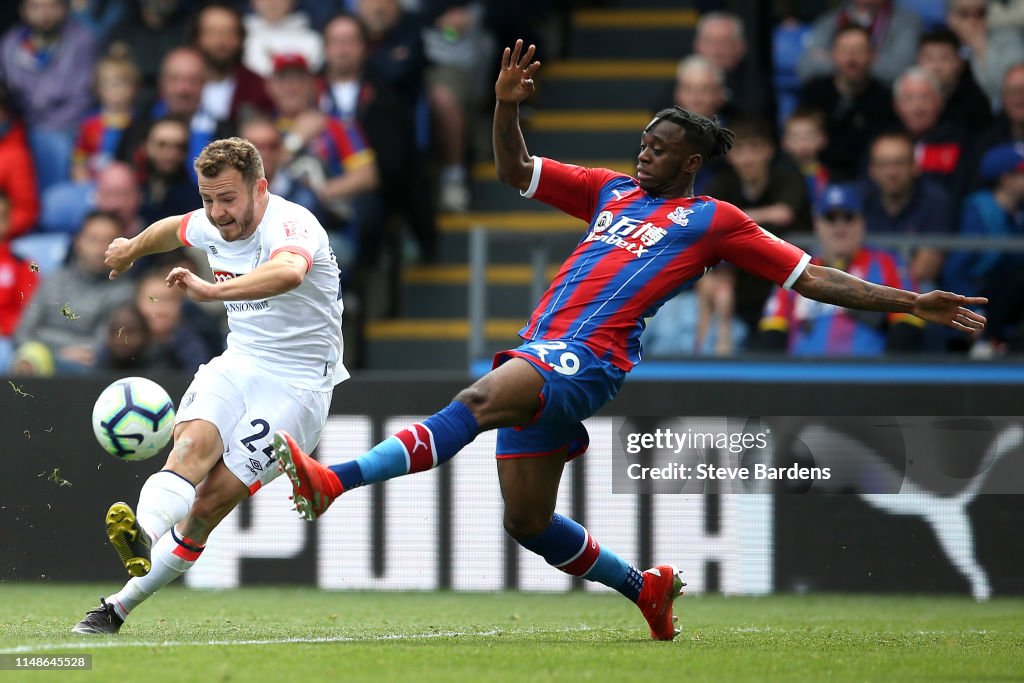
47 250
787 45
932 13
64 206
51 154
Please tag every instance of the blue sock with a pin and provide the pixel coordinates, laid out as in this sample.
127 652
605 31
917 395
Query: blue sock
569 547
420 447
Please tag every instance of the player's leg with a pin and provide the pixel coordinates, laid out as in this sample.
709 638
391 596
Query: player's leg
166 497
173 554
177 551
508 395
210 410
529 488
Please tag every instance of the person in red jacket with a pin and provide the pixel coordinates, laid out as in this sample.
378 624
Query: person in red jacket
17 277
17 174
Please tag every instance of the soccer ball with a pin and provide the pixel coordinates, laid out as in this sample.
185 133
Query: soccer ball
133 418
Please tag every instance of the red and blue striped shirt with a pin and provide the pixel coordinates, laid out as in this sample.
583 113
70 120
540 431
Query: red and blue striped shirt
638 252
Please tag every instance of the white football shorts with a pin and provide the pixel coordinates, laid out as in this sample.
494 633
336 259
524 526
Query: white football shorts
248 404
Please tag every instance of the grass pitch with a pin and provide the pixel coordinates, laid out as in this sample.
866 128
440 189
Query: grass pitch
302 634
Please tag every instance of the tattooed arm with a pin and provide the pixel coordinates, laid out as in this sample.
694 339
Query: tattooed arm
832 286
514 84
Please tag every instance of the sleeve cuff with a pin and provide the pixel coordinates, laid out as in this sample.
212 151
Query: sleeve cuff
797 272
535 180
299 251
183 227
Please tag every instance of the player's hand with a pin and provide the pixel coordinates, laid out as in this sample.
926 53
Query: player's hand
950 310
196 287
308 124
515 78
118 257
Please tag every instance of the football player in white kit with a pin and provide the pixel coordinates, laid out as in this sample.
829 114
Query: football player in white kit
278 279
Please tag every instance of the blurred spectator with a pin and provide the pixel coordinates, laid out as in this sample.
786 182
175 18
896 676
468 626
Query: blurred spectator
697 321
456 47
47 63
354 93
163 310
856 105
128 344
898 201
17 175
162 173
893 33
809 328
182 77
720 38
395 55
275 28
991 48
395 47
996 212
700 88
966 103
99 16
940 146
117 192
773 194
17 277
117 82
231 88
149 30
66 318
1008 125
804 139
330 155
1008 13
267 139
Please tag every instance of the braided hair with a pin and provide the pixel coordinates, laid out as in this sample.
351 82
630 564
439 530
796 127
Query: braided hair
709 138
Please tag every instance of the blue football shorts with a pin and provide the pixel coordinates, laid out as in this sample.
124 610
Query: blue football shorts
577 383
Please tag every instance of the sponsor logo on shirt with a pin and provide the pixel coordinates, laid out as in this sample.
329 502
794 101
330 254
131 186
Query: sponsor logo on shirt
223 275
626 233
246 306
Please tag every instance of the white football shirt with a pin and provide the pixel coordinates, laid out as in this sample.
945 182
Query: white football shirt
295 335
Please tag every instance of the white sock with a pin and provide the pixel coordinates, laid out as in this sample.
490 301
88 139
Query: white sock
164 500
172 556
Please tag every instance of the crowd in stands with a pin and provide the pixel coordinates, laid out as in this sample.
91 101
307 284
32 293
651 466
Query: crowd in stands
887 117
360 109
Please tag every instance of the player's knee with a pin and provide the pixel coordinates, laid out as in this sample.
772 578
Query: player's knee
521 526
476 398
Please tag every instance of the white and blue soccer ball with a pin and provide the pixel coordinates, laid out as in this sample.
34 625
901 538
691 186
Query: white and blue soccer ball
133 418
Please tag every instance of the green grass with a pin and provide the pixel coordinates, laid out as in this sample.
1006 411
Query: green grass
183 635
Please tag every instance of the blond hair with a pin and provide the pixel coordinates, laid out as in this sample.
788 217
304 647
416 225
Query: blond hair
235 153
117 62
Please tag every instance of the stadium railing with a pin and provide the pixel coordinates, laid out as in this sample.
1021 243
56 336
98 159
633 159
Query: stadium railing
482 237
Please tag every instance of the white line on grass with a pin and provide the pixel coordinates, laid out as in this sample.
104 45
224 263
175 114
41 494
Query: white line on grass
88 643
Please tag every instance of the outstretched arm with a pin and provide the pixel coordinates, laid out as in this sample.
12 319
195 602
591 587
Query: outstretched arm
157 238
283 273
832 286
514 84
